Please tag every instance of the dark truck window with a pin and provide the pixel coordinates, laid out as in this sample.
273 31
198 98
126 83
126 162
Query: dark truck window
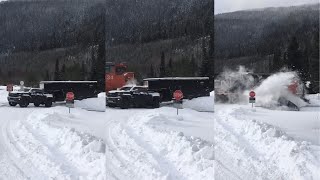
140 89
36 91
125 88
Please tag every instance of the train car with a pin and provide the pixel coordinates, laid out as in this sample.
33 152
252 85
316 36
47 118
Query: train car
81 89
191 87
116 76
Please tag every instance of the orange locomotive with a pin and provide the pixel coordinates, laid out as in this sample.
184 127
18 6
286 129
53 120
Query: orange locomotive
117 76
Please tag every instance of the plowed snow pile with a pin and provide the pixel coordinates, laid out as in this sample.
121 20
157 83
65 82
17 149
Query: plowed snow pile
163 154
92 104
250 149
202 104
54 150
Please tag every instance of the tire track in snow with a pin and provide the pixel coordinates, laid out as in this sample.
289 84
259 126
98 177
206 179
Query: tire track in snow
36 157
8 164
254 165
53 153
126 156
14 152
80 155
164 165
115 165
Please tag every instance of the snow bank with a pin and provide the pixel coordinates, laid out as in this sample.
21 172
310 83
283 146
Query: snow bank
158 154
61 152
212 93
3 94
256 150
275 87
200 104
102 95
314 99
92 104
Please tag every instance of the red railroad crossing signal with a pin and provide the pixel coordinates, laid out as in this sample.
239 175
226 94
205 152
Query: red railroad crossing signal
70 96
252 94
10 87
178 95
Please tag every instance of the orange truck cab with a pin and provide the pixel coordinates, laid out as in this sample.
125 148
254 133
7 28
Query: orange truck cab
117 76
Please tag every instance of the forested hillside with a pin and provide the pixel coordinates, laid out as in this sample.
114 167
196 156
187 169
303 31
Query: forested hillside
37 35
145 33
271 38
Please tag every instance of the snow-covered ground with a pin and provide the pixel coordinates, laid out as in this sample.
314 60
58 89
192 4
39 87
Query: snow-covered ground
259 143
50 143
234 142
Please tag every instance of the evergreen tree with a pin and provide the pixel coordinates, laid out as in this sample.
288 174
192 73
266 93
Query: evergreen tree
205 64
162 65
47 76
93 64
57 76
193 66
211 53
277 63
83 71
170 68
98 64
63 72
151 72
293 54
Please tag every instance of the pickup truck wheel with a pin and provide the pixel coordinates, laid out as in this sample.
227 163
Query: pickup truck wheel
111 105
12 103
48 103
156 103
24 103
36 104
124 104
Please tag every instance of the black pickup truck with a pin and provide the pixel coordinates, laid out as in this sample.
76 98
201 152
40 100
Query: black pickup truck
35 96
133 96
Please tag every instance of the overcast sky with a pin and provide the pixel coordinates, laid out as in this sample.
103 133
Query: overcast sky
222 6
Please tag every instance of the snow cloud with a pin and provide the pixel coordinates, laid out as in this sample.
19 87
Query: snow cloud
223 6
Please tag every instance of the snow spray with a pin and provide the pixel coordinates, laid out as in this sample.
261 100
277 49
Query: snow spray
131 82
234 83
275 87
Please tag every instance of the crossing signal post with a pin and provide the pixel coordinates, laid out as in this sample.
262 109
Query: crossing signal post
178 95
252 97
70 100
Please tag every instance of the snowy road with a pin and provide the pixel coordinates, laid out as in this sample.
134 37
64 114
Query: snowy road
49 143
266 144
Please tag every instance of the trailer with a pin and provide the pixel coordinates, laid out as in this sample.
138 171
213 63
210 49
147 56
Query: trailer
81 89
192 87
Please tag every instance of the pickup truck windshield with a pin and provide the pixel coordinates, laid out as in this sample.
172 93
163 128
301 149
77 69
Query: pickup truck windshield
125 88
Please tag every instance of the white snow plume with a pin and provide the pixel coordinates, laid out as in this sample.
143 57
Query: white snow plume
275 87
131 82
234 83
